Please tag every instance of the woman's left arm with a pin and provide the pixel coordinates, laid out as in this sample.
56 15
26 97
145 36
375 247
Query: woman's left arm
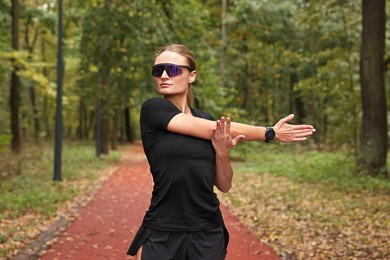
222 143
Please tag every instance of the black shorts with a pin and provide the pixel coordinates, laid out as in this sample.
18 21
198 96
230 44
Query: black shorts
195 245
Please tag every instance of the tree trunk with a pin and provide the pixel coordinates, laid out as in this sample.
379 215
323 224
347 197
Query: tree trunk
244 77
105 131
223 42
293 80
81 126
115 130
300 108
296 103
35 113
90 124
129 136
373 136
46 117
45 98
30 47
262 92
105 123
14 99
85 129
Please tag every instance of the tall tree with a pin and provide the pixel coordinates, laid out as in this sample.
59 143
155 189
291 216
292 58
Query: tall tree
373 136
223 41
30 43
15 82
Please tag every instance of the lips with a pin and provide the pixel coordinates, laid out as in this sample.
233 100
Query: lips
165 85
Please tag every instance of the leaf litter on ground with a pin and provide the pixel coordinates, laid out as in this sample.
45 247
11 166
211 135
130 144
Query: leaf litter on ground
309 221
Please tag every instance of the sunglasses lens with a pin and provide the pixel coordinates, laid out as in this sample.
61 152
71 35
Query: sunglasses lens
158 70
171 69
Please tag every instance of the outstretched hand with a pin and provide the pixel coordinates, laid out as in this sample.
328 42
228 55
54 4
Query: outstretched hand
292 133
221 138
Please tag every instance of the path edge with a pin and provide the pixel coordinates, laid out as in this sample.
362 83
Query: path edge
43 241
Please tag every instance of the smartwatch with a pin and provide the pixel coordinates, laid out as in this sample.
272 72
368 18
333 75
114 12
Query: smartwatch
269 134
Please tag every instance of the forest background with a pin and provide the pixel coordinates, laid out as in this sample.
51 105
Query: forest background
257 62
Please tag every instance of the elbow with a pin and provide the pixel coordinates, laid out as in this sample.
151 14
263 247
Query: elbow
225 188
223 183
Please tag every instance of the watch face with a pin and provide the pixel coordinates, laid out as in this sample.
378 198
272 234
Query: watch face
270 133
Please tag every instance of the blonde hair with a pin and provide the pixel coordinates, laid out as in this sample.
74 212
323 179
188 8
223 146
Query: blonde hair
187 53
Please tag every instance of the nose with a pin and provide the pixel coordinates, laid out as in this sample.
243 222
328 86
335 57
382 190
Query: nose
164 74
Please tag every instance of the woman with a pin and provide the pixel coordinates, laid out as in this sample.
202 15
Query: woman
188 153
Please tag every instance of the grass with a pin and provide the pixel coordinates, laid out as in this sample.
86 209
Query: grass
33 189
299 163
28 194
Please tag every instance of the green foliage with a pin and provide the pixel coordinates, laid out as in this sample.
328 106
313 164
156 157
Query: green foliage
333 93
283 57
272 40
5 22
5 38
5 139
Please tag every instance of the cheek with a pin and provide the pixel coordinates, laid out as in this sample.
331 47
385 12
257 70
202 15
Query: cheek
183 82
157 81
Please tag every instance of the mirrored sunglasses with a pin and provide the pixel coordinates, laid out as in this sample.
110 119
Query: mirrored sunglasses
171 69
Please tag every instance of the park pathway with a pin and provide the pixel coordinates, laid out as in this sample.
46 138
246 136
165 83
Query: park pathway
106 226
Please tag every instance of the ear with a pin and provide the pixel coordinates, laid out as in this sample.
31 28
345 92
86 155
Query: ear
192 77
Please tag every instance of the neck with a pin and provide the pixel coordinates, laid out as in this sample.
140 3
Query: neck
180 102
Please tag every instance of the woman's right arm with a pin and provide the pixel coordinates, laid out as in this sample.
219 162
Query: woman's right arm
203 128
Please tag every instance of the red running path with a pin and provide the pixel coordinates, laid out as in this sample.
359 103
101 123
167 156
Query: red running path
105 228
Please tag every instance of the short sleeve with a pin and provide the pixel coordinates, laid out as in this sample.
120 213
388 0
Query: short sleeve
202 114
157 113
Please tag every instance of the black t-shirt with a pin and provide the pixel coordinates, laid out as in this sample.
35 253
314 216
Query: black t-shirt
183 169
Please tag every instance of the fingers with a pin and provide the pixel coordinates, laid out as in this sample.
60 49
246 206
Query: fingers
302 136
227 129
218 127
214 131
288 118
297 135
237 139
297 131
303 127
223 125
284 120
221 134
301 139
222 129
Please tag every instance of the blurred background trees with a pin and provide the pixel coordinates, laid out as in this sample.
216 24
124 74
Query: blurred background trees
277 57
